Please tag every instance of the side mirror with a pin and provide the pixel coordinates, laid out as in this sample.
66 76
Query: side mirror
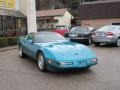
30 41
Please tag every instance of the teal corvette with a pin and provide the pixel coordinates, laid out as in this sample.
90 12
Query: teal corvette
53 52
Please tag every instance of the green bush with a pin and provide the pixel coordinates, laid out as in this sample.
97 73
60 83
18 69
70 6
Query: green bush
8 41
3 42
12 40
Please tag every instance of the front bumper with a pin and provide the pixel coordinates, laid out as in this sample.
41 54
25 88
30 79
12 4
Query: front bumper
76 65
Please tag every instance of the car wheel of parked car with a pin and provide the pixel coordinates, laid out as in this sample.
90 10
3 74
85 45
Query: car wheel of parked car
41 62
97 44
21 53
118 42
89 42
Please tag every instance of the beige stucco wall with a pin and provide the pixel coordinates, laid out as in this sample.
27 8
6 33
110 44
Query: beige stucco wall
23 6
99 22
65 19
28 8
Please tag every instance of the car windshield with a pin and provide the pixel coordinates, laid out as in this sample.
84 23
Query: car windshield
80 30
48 37
61 27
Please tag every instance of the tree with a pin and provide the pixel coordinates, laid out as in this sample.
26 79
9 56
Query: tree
72 5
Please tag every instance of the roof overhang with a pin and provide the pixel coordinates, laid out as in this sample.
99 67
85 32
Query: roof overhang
44 18
7 12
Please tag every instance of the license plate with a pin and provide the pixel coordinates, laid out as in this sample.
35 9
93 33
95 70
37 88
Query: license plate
100 34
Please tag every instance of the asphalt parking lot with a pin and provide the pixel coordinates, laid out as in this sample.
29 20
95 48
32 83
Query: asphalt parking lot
23 74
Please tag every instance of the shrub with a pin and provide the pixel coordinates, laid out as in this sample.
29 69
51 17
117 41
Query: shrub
12 40
8 41
3 42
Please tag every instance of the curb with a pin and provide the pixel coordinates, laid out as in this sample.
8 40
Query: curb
8 48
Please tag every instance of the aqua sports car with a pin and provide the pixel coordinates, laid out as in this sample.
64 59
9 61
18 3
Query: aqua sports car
53 52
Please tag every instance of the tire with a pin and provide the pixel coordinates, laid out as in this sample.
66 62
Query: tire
118 42
89 42
97 44
21 53
41 62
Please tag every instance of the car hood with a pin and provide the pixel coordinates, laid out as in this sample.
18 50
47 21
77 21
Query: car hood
68 51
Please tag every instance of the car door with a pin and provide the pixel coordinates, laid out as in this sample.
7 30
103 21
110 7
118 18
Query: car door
29 46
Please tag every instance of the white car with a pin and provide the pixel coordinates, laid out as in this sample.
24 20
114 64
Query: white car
107 34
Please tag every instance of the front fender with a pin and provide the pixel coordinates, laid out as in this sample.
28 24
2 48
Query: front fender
47 53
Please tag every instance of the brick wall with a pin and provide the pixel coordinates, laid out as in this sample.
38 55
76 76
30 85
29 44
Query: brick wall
99 22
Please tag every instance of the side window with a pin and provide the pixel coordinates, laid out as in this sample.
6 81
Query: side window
29 37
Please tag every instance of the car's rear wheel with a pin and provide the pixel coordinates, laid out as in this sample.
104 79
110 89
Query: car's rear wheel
118 42
41 62
21 53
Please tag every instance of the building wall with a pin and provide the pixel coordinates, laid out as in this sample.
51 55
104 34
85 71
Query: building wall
65 19
22 6
99 22
31 16
28 8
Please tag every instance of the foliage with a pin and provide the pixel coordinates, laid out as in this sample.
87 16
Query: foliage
8 41
55 4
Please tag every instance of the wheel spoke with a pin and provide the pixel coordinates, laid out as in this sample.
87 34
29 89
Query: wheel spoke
118 42
20 51
40 62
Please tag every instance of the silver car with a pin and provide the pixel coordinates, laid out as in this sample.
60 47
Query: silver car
107 34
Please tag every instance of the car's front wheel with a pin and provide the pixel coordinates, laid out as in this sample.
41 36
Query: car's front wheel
21 53
118 42
41 62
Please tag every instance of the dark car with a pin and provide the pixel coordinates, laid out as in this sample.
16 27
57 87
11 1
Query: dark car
81 34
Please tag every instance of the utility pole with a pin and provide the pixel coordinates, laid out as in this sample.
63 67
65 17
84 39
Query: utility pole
51 6
83 1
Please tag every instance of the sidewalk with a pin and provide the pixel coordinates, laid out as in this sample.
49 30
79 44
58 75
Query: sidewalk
8 48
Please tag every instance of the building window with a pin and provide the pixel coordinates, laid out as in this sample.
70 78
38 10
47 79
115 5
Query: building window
21 26
10 29
9 26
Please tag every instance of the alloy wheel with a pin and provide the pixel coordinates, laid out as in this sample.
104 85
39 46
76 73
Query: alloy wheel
118 42
20 51
41 63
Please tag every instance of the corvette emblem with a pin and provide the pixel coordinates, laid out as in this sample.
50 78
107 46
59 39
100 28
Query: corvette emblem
76 54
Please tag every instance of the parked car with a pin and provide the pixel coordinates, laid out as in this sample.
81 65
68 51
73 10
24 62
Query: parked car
109 34
81 34
62 29
53 52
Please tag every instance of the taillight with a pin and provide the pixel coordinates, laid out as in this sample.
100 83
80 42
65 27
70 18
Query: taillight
110 34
